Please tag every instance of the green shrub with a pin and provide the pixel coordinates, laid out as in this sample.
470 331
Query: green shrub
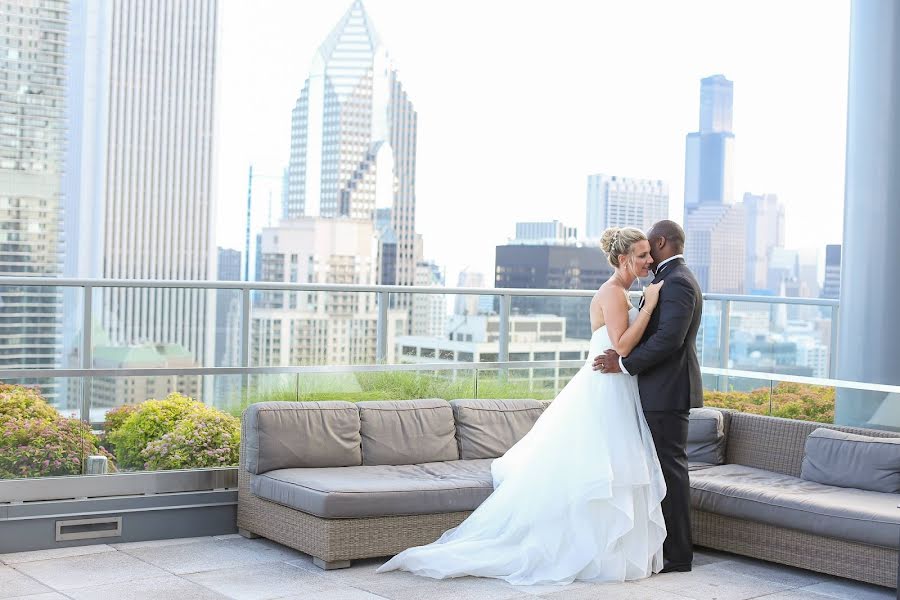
177 432
37 441
116 416
19 402
788 400
210 439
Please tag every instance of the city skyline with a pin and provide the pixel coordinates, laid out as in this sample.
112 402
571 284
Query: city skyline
496 161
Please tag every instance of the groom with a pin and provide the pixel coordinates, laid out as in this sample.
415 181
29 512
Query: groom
669 382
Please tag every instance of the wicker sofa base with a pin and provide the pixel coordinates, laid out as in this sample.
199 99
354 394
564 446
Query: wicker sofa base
852 560
338 540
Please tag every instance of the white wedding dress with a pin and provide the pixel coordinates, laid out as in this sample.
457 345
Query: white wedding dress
577 498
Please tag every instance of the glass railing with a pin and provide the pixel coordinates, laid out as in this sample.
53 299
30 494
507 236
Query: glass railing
172 403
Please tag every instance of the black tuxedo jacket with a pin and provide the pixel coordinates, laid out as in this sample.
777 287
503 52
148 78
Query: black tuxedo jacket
666 357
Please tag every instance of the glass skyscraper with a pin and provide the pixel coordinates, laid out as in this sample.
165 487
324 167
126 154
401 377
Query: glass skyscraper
709 157
32 145
353 140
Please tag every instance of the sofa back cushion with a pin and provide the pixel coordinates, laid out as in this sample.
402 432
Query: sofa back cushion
488 428
407 432
706 436
855 461
284 435
776 444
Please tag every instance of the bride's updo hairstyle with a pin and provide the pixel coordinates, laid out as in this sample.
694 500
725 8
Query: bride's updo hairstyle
617 241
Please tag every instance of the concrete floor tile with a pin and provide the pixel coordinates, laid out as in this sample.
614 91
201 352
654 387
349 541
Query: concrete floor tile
213 555
167 586
74 572
34 555
263 581
14 583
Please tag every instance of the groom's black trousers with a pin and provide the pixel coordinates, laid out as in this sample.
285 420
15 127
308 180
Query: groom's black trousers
670 434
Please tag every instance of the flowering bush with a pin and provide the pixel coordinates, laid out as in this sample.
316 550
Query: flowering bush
36 441
175 433
210 439
19 402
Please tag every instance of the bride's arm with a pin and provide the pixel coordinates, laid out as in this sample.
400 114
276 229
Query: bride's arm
615 314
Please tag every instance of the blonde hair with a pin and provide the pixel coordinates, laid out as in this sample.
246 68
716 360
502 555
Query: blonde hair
617 241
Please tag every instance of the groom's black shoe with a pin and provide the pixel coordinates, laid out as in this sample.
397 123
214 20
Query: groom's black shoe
670 567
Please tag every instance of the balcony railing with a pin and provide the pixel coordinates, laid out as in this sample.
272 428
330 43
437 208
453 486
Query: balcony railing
162 482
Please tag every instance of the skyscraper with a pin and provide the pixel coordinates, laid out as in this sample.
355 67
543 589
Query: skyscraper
553 267
140 200
831 287
765 232
544 232
709 156
228 310
32 138
429 310
319 328
715 247
353 140
471 305
614 201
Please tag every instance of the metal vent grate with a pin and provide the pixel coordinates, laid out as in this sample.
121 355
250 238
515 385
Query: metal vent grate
88 529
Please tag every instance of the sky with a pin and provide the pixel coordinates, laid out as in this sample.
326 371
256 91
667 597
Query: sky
519 101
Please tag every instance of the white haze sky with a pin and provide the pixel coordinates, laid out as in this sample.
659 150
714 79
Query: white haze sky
519 100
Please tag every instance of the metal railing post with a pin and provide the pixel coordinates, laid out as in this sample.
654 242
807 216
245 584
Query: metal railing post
245 343
381 328
503 350
833 344
87 351
724 342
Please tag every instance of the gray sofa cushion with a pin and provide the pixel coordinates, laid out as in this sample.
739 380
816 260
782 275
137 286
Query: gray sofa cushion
407 432
280 435
488 428
785 501
377 491
706 436
849 460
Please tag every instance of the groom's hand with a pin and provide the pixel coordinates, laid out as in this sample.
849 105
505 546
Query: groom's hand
608 362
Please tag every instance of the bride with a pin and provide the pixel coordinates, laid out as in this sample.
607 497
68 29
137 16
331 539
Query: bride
577 498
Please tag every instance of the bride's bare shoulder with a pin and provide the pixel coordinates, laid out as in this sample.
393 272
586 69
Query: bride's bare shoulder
608 292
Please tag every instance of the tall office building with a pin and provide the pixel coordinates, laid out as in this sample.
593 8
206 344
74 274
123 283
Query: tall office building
228 310
715 248
429 310
831 286
319 328
765 232
140 198
553 267
783 268
353 141
544 232
809 270
472 304
32 140
614 201
709 156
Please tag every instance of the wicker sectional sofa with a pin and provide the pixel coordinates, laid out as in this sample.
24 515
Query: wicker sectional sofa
343 481
760 502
